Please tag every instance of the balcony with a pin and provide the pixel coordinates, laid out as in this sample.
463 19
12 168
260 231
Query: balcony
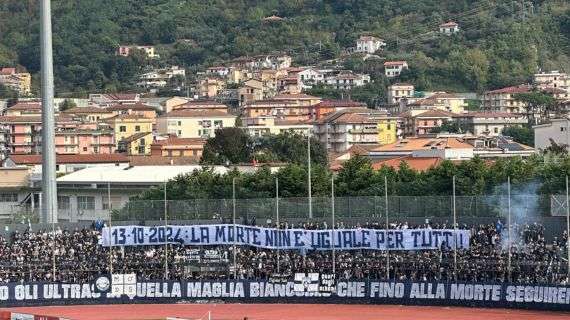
363 131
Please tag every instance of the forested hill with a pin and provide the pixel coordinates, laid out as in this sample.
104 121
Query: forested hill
502 42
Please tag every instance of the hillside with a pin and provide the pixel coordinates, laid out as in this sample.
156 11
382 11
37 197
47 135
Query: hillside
501 43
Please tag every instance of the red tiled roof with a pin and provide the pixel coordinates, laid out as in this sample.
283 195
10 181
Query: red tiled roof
299 96
137 107
129 116
7 71
33 159
488 115
418 164
273 18
26 106
180 141
340 103
449 24
435 114
394 63
80 110
514 89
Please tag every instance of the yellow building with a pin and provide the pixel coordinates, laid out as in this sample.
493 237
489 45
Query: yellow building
209 87
188 123
18 81
387 130
127 126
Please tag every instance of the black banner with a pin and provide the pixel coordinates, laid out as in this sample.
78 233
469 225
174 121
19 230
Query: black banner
104 291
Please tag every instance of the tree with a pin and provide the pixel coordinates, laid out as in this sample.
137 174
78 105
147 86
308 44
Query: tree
290 147
536 102
66 105
229 145
524 134
7 93
449 127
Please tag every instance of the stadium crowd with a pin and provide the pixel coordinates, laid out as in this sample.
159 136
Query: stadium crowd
28 256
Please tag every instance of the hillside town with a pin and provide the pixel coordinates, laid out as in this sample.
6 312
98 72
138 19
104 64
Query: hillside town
97 137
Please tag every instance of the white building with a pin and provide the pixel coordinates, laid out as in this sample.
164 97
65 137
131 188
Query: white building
347 80
219 71
83 195
489 123
449 28
310 77
159 78
399 91
188 123
556 131
394 68
369 44
127 50
552 79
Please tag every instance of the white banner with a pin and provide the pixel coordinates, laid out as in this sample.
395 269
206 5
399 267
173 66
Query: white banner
270 238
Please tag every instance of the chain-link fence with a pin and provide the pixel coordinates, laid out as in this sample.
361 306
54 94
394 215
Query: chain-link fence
522 206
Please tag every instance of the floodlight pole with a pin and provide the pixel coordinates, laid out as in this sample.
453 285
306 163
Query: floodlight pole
49 187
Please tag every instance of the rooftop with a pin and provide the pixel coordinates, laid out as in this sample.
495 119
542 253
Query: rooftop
137 107
415 163
299 96
36 159
180 141
24 106
449 24
395 63
86 110
341 104
514 89
411 144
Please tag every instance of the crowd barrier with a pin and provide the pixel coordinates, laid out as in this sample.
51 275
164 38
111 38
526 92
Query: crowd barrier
305 288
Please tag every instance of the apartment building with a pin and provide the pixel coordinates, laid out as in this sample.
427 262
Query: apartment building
489 123
400 91
342 129
185 123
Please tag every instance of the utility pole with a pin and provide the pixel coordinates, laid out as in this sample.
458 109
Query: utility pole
309 175
49 187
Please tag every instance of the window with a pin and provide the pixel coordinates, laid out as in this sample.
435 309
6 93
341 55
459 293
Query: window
496 130
137 128
63 203
84 149
122 129
562 129
179 132
85 203
388 127
8 197
179 123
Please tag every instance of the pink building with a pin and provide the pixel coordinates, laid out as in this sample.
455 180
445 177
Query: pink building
84 141
23 135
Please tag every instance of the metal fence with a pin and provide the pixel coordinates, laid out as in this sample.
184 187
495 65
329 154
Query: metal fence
522 207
